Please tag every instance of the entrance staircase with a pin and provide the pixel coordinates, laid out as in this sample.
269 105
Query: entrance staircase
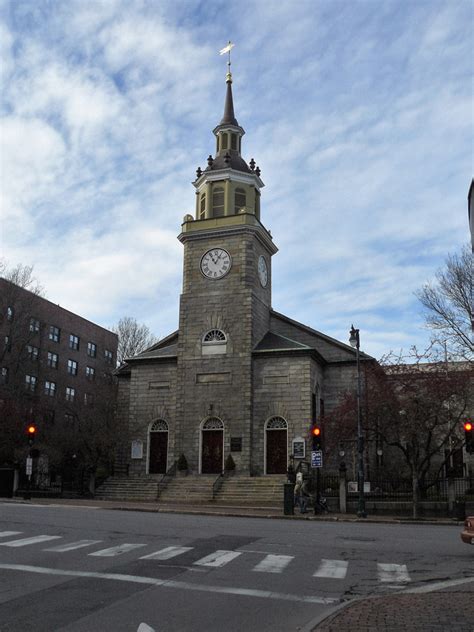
253 491
129 488
187 489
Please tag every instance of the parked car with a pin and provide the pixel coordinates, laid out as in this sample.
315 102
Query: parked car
467 536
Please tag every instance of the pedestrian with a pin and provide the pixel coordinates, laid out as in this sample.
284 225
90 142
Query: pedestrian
297 488
304 497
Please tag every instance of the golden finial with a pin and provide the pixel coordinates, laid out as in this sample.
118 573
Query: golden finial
223 51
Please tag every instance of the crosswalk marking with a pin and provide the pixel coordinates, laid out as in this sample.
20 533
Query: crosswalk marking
332 569
33 540
117 550
7 534
218 558
63 548
168 553
393 573
273 563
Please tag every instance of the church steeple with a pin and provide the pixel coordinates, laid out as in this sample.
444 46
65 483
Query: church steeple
228 186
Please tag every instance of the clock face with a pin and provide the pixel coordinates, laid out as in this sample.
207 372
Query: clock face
216 263
262 271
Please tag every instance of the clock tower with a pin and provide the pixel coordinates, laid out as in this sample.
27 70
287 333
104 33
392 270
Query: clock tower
225 303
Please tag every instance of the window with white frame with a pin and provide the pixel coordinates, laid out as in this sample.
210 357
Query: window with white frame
90 373
34 325
53 360
54 333
108 356
72 367
214 342
73 342
91 349
30 383
70 393
33 352
50 388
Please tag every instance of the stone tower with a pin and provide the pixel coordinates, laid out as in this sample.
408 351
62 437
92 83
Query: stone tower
225 303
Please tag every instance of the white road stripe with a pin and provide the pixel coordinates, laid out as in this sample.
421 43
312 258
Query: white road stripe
117 550
7 534
332 569
229 590
273 563
168 553
218 558
393 573
34 540
62 548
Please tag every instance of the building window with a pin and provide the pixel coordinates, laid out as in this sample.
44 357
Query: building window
233 141
10 313
73 342
8 344
52 360
90 373
70 393
48 417
91 349
34 325
54 333
50 388
68 418
88 399
72 367
214 342
224 141
30 383
240 200
108 356
218 202
33 352
202 206
4 375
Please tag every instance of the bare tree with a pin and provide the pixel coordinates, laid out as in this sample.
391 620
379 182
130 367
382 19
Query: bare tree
415 412
448 303
133 338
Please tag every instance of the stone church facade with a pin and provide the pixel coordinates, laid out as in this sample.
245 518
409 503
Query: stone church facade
236 377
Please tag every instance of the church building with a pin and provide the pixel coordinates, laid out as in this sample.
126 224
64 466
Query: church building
236 377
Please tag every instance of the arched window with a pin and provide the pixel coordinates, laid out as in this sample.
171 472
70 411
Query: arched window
233 141
214 342
277 423
159 425
202 206
218 202
224 142
240 200
213 423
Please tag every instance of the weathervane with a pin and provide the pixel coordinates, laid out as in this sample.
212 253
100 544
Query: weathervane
223 51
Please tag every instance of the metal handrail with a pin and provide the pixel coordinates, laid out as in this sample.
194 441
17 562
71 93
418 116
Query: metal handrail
217 485
164 480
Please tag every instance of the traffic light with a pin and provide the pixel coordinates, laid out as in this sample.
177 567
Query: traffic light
469 435
316 437
31 432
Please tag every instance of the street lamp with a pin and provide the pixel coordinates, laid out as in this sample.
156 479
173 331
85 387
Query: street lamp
354 341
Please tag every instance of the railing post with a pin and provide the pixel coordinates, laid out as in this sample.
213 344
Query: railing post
451 494
342 488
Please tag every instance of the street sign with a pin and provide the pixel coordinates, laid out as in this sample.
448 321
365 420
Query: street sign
316 458
29 466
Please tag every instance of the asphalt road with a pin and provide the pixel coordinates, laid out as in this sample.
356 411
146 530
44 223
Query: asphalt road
77 569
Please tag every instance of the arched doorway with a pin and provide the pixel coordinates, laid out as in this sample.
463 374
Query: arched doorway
158 447
276 446
212 446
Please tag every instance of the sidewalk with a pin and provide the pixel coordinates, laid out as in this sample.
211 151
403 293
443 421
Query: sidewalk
234 511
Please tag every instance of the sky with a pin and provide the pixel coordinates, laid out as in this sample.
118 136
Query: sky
359 114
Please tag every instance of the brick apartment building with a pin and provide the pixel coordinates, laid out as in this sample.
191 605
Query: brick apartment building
55 368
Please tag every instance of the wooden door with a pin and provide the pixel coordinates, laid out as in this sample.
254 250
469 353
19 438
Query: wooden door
158 452
277 458
212 441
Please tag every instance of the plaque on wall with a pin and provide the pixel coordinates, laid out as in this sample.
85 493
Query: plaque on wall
137 449
299 448
236 444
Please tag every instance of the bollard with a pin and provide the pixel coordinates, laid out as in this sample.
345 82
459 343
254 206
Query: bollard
288 499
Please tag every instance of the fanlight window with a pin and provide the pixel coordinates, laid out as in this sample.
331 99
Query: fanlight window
213 423
277 423
214 342
159 426
240 199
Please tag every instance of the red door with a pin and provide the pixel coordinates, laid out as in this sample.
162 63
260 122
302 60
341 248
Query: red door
158 452
212 441
276 452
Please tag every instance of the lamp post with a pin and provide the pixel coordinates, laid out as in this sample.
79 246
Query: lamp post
354 341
